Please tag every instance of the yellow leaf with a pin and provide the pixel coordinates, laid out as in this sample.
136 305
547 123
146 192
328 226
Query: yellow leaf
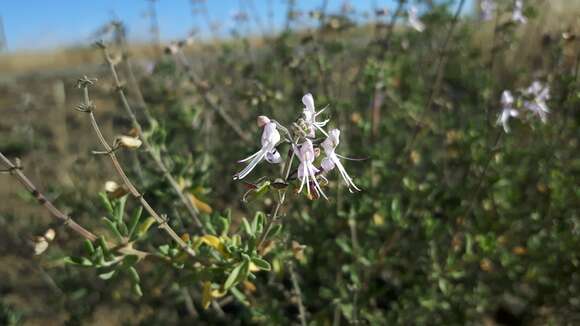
206 296
214 242
202 206
144 226
218 293
378 219
249 287
253 268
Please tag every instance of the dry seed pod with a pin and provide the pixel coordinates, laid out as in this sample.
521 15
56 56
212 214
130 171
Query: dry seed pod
128 142
114 190
41 243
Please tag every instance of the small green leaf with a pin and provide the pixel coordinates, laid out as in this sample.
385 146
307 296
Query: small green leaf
164 249
105 201
89 247
225 225
247 227
102 243
137 290
113 228
107 275
81 261
263 188
134 275
257 223
261 264
134 221
240 296
233 277
120 209
130 260
144 226
276 229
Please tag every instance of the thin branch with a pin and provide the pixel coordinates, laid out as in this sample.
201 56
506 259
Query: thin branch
441 62
16 171
442 59
88 107
296 286
355 251
483 174
190 206
209 100
281 199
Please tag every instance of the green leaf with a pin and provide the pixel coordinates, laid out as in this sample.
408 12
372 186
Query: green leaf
225 225
135 221
144 226
276 229
247 227
261 264
134 275
105 201
137 289
240 296
263 188
107 275
81 261
113 228
102 243
89 247
120 209
164 249
234 276
130 260
258 223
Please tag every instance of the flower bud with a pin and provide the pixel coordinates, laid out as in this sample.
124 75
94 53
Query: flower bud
263 120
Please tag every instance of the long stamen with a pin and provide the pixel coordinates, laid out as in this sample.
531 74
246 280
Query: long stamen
317 185
249 157
251 166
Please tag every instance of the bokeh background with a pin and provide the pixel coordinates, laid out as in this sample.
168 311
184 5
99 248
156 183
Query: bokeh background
458 223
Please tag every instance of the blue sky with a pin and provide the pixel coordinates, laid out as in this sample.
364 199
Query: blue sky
48 24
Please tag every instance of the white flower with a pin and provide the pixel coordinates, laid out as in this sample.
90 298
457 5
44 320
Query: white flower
310 115
487 9
414 20
332 159
539 94
518 13
306 170
507 104
270 138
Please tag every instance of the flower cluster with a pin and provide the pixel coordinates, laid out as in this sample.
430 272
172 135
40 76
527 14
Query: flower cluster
317 157
532 100
487 9
414 20
518 12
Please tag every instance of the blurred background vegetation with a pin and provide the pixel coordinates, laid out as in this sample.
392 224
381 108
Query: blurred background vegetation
458 223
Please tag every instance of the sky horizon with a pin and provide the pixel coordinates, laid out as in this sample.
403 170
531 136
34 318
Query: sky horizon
66 23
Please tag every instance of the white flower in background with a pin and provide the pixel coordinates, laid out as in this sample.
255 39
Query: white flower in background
487 9
538 94
306 170
332 159
508 111
414 20
310 115
270 138
346 8
518 13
